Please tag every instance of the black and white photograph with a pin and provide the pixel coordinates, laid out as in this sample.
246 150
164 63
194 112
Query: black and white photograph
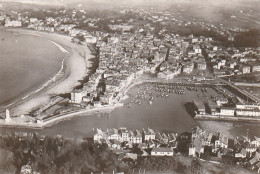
129 86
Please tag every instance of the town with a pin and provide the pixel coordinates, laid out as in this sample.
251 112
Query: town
127 51
134 146
141 57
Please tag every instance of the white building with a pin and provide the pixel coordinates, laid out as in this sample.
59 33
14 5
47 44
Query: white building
9 23
77 96
148 135
162 151
90 39
135 137
248 112
98 135
33 20
227 111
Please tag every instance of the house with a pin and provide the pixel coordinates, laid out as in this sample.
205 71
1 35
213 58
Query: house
255 159
90 39
132 156
256 68
26 169
188 67
161 151
241 154
33 20
148 134
106 99
222 141
9 23
256 142
135 137
201 65
192 150
246 69
113 134
124 134
98 135
251 149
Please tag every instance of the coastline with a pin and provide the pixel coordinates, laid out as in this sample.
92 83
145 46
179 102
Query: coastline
54 79
58 118
63 81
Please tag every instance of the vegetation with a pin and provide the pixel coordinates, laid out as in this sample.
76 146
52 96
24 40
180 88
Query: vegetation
58 155
247 39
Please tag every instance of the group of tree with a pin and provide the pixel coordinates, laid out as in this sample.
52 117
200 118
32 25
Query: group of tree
61 156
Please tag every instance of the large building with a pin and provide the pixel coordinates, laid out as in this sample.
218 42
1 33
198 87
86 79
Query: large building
162 151
77 96
251 110
227 111
199 107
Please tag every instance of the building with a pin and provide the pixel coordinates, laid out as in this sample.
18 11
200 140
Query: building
241 154
227 111
98 135
106 99
246 70
26 169
113 134
124 134
148 134
256 68
199 107
90 39
188 67
135 137
9 23
162 151
33 20
77 96
201 65
247 110
222 141
213 108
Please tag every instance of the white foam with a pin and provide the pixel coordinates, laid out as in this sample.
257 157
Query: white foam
60 47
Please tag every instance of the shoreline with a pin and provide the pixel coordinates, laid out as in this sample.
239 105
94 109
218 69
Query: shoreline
54 86
58 118
56 78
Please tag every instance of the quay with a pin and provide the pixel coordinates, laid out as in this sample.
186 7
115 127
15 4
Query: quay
226 118
50 120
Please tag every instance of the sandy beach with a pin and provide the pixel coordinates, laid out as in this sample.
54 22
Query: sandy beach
76 67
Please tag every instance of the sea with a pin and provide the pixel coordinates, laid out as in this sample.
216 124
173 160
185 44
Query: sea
26 63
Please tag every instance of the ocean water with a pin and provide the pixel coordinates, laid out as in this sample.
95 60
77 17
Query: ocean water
26 63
